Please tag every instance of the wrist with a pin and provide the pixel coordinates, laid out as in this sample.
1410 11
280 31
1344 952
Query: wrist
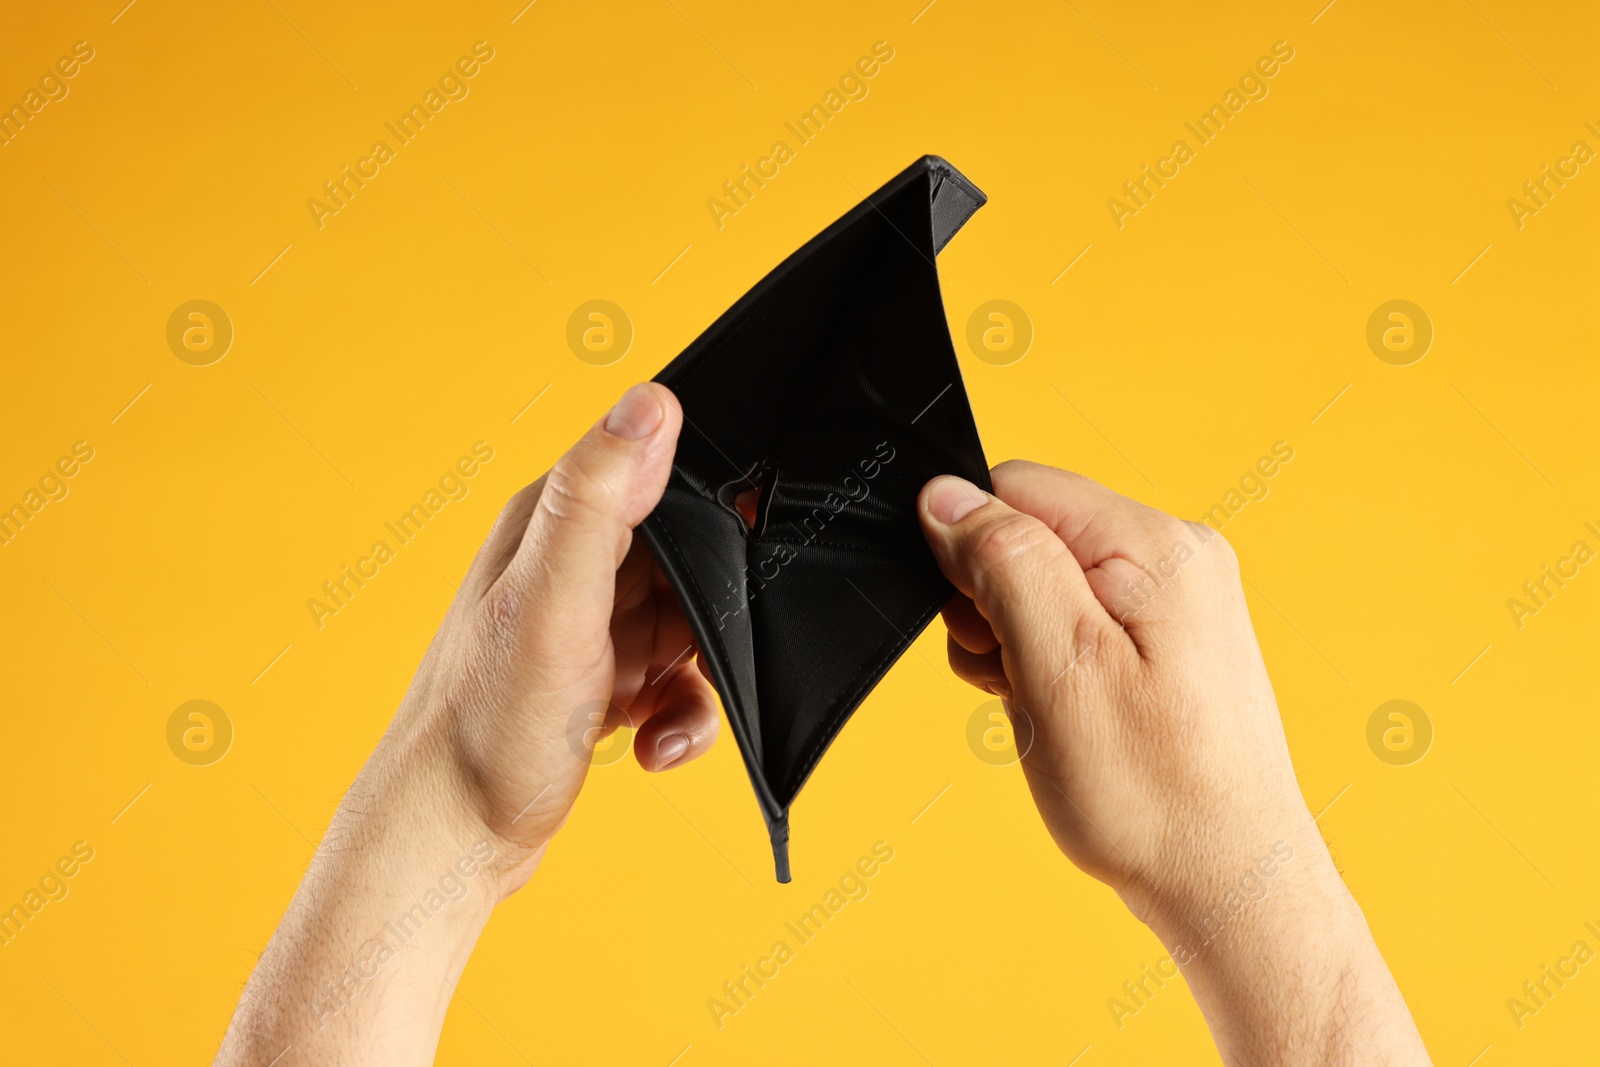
1282 899
1241 882
1250 944
421 783
405 882
407 862
411 818
379 931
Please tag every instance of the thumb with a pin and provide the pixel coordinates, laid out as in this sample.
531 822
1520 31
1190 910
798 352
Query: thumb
1018 573
561 585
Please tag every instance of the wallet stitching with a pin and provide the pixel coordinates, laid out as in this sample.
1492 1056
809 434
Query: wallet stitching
825 542
705 355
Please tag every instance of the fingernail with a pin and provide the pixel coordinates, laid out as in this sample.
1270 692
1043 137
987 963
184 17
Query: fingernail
636 415
951 499
670 750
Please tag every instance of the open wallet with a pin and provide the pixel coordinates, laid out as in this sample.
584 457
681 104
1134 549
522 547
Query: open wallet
815 409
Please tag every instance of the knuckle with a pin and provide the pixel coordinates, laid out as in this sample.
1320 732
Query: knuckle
522 500
1169 526
1160 529
513 517
1213 544
1023 476
1013 468
1000 542
1225 553
576 488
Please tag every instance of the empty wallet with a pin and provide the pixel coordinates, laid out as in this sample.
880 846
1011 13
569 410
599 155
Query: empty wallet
831 390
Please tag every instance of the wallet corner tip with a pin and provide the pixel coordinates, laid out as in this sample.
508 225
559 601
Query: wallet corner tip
779 831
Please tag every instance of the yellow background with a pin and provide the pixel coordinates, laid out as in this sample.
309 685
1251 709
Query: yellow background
1222 318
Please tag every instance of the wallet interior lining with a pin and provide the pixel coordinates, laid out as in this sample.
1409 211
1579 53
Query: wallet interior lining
831 362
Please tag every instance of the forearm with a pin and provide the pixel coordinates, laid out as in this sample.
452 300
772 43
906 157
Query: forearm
362 968
1283 965
561 612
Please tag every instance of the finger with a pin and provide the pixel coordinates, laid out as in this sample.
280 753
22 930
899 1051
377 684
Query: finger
650 639
501 544
967 627
983 670
633 642
500 547
1095 523
683 725
1131 554
558 592
635 578
674 636
634 624
1015 570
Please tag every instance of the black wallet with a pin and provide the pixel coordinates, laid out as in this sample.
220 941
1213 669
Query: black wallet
815 409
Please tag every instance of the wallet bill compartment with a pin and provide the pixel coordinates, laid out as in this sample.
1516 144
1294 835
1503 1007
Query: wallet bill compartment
831 391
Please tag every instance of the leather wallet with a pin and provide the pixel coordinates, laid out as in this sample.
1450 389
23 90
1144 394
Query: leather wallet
826 398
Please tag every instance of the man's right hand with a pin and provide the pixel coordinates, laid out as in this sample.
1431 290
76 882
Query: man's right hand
1119 639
